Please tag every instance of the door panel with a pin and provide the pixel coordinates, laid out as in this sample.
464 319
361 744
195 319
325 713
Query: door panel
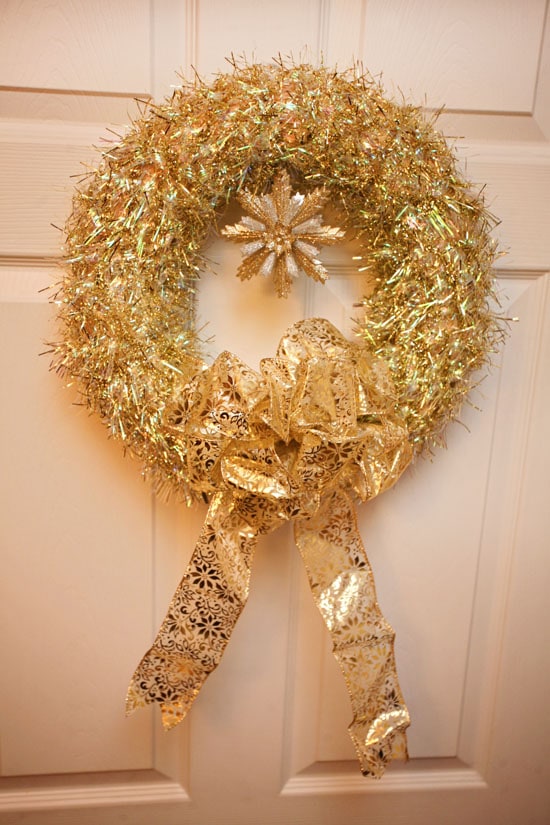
91 559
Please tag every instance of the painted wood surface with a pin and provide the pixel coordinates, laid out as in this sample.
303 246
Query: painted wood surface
90 559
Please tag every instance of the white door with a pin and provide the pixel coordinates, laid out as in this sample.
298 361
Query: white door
458 547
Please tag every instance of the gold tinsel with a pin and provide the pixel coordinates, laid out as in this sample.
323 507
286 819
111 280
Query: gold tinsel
139 223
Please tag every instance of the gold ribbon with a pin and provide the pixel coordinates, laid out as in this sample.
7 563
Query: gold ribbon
317 428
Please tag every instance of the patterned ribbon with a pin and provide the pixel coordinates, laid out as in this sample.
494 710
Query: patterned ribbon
299 441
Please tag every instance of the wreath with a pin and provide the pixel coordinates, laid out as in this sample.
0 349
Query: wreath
326 420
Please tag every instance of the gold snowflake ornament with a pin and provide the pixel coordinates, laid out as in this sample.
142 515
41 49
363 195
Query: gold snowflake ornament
279 233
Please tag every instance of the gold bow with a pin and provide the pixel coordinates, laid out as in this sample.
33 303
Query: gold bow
317 427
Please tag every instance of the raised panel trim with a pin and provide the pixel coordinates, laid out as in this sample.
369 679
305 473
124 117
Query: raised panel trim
46 132
191 22
499 544
67 46
518 153
27 280
541 107
474 732
324 33
417 775
87 134
151 789
173 44
33 198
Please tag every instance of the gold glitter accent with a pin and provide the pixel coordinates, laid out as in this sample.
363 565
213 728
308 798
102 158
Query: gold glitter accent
293 443
139 222
280 232
342 584
322 421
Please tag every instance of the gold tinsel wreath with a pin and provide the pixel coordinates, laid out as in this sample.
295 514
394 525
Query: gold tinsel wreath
140 221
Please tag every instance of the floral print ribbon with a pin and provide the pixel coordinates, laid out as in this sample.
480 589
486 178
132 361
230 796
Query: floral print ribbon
315 429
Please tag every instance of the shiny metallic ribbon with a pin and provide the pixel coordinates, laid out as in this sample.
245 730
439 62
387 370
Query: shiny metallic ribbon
315 430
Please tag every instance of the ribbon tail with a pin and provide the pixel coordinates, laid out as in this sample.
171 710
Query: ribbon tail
201 616
342 584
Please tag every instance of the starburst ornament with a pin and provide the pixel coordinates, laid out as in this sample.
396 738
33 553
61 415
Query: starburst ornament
279 234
